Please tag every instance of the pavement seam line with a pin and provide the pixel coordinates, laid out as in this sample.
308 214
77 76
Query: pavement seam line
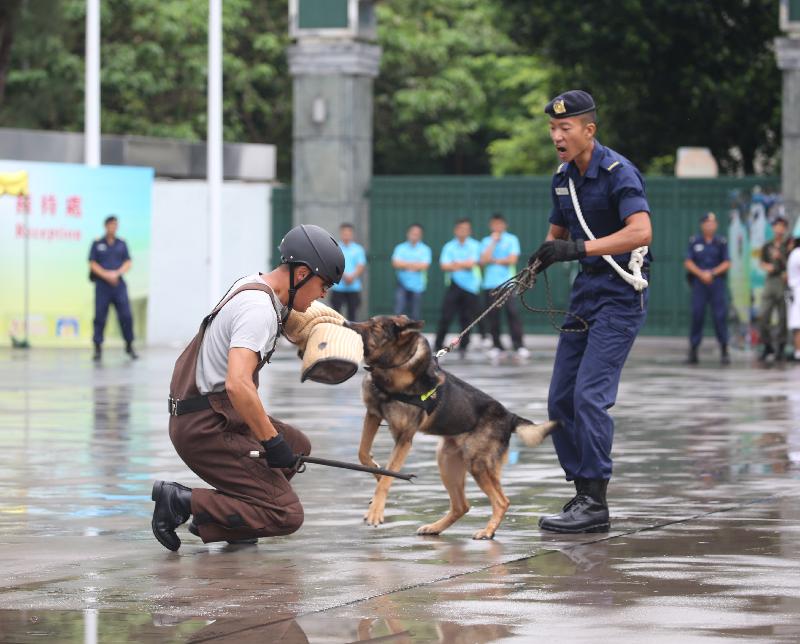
533 555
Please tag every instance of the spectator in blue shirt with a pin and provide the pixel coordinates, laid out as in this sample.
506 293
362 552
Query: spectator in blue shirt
347 293
499 254
459 260
109 260
411 260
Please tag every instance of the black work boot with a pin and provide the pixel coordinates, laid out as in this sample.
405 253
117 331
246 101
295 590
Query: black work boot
98 352
130 351
780 356
173 507
587 512
766 352
234 542
692 359
724 358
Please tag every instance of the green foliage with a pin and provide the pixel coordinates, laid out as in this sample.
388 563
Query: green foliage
666 73
462 82
154 62
451 83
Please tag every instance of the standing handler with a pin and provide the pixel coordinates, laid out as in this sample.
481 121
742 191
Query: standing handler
588 365
109 260
707 262
217 417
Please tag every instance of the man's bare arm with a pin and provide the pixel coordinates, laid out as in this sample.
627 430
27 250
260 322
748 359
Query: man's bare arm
243 394
636 232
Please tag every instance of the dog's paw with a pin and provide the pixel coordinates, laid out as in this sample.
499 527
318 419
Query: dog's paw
374 515
483 535
429 529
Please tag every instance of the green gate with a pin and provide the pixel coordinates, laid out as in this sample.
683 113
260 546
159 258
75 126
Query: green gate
437 201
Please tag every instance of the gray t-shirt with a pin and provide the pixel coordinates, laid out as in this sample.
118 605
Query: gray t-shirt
247 321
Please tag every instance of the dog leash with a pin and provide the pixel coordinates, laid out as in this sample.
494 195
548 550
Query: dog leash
518 285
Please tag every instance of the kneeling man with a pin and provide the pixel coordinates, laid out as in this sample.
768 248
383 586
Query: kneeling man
216 415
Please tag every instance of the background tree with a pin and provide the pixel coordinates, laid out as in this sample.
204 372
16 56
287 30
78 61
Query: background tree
451 83
667 73
462 82
153 77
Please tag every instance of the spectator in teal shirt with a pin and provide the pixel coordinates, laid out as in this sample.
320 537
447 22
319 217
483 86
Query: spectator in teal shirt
347 293
411 260
459 260
499 254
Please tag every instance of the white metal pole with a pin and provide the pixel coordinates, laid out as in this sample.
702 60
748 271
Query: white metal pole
91 101
214 146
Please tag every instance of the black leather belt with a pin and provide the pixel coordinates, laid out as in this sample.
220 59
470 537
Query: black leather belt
180 407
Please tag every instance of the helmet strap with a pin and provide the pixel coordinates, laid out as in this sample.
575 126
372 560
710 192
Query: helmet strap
293 288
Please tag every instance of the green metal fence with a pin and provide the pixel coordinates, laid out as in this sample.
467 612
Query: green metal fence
436 202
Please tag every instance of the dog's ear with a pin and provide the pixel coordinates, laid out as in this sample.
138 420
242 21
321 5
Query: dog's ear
404 323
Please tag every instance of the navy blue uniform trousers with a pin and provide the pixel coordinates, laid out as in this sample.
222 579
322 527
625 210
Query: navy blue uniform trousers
587 370
104 296
715 293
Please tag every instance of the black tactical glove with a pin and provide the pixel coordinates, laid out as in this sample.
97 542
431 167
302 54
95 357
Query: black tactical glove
558 250
279 454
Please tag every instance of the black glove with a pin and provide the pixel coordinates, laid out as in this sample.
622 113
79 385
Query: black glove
278 452
558 250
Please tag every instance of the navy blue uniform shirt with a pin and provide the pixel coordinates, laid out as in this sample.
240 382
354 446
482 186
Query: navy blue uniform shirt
707 255
110 257
611 191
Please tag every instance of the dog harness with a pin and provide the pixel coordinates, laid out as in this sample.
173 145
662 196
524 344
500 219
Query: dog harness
427 401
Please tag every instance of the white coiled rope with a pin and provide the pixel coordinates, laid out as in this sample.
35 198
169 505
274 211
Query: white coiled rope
634 278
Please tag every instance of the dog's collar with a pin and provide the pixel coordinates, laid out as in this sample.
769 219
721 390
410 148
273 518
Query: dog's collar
427 401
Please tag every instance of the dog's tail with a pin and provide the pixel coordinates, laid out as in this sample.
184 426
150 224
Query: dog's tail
532 434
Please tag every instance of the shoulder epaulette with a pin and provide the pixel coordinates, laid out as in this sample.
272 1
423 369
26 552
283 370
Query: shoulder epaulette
692 239
723 240
613 166
561 168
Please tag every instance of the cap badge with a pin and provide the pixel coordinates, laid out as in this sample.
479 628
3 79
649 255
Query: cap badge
559 107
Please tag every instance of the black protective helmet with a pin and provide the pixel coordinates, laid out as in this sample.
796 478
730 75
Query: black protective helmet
315 248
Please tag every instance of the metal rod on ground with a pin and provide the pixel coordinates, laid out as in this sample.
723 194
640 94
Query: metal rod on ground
342 464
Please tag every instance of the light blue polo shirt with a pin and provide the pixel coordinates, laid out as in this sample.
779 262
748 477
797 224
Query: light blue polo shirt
495 274
454 251
354 257
414 281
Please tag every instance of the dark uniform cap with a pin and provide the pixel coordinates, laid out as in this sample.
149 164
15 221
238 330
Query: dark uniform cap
571 103
709 216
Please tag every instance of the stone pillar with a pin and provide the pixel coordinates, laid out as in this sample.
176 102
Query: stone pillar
332 131
787 51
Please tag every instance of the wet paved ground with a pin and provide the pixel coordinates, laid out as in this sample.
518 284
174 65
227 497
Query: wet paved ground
705 541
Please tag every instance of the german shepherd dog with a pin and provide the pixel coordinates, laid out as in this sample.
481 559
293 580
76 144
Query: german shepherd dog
406 387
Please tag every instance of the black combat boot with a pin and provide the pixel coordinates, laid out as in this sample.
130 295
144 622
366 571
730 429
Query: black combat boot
724 358
587 512
173 507
98 352
780 356
692 359
766 352
130 351
234 542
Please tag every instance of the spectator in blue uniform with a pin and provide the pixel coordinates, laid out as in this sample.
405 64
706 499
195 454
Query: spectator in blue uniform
411 260
610 193
109 260
707 262
499 254
347 293
459 260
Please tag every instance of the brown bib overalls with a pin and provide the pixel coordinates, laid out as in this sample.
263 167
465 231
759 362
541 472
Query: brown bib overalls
251 499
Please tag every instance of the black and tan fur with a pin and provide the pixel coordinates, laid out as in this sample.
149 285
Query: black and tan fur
475 429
